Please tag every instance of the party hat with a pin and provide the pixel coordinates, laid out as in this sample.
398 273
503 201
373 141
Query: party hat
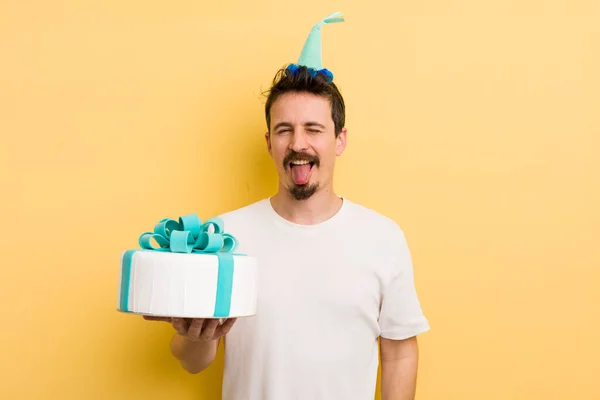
312 55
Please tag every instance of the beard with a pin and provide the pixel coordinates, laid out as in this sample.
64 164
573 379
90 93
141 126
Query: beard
301 192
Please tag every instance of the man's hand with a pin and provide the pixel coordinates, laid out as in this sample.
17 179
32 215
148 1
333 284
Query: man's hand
197 329
196 341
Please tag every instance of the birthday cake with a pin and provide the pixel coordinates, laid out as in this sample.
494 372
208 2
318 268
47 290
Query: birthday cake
189 269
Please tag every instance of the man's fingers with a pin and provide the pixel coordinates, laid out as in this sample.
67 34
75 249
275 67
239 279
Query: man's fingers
224 328
195 328
153 318
180 326
227 325
209 329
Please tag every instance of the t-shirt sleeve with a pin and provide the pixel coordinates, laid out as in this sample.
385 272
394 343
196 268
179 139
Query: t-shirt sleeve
401 316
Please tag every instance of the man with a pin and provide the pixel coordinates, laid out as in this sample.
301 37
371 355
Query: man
335 278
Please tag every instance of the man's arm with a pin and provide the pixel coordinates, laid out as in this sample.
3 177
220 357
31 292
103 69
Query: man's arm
399 361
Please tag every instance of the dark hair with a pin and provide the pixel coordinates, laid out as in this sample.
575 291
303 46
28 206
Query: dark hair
302 80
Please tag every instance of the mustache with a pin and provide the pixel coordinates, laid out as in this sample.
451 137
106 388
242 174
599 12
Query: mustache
294 155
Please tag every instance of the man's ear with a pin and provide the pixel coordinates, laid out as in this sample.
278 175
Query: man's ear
340 142
268 140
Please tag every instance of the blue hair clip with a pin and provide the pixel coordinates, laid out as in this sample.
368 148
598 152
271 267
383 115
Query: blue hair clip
292 69
327 73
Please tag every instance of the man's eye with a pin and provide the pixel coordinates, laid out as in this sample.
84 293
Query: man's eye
314 130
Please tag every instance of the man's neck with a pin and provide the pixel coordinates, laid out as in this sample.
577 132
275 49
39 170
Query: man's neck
320 207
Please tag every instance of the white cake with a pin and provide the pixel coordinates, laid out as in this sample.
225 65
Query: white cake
201 277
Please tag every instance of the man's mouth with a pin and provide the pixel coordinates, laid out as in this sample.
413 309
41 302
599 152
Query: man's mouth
301 170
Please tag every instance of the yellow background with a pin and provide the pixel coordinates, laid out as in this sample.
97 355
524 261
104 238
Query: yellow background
474 124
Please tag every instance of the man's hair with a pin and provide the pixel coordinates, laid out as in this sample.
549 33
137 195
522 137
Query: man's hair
302 80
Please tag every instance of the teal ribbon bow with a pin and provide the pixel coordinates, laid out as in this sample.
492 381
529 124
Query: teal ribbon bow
189 235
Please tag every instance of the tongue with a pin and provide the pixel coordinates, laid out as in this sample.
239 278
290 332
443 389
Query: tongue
300 173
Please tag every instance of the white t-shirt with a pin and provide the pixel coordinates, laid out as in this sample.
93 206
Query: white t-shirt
326 292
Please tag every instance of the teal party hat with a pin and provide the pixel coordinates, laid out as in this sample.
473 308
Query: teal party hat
311 56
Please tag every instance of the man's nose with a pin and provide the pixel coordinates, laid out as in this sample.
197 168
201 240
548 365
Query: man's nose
299 141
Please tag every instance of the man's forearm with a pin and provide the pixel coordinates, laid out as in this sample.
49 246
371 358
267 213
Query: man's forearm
194 356
399 379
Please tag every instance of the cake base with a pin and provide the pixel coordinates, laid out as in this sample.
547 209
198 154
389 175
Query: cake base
195 285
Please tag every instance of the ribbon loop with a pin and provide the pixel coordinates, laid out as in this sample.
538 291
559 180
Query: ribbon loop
191 223
216 223
230 243
145 241
165 226
209 243
181 241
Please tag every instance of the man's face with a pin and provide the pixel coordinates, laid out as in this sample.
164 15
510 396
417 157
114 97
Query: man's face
302 143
